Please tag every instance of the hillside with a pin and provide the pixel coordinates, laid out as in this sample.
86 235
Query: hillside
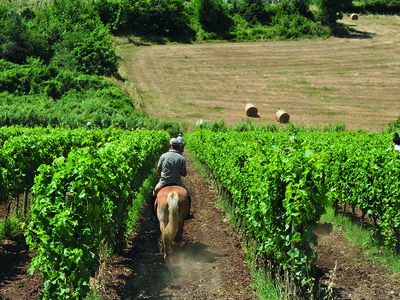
353 80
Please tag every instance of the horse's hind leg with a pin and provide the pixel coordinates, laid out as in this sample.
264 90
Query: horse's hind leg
178 237
166 249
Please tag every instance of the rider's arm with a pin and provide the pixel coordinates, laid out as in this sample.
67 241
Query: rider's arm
183 172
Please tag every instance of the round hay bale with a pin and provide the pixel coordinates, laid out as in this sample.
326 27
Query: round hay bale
282 116
354 17
251 110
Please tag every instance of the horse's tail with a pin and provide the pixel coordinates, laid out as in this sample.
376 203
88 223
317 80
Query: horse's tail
172 227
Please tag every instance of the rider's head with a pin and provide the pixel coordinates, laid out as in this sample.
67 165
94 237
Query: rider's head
174 144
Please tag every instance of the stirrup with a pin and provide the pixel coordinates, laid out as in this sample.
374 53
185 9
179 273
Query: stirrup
189 216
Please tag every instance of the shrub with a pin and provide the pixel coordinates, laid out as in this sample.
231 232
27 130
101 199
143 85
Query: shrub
253 11
393 126
18 41
296 26
382 7
329 9
212 15
94 54
165 17
113 13
79 39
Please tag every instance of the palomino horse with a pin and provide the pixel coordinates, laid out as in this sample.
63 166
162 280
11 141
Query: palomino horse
172 208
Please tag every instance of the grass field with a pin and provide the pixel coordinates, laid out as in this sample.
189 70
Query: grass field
355 81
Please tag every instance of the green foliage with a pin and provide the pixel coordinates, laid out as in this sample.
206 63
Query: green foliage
279 193
9 227
273 191
210 19
18 40
382 7
106 107
249 126
165 18
80 40
68 33
213 16
116 14
216 126
294 7
294 26
253 11
7 168
64 97
363 173
37 78
69 231
94 55
328 10
393 126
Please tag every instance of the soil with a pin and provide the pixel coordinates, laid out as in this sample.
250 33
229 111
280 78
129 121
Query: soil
210 264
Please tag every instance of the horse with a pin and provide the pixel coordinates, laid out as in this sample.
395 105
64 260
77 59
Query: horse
172 208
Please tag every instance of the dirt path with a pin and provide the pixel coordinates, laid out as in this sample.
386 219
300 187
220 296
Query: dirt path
352 274
210 265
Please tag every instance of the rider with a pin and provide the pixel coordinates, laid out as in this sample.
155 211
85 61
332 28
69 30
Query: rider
89 126
171 166
180 141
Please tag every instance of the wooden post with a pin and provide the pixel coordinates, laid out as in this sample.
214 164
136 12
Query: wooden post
25 201
68 196
17 206
293 288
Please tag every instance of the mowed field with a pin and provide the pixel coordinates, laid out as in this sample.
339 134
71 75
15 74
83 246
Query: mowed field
353 80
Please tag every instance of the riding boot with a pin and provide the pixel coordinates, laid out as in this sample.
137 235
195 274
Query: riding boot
153 209
190 214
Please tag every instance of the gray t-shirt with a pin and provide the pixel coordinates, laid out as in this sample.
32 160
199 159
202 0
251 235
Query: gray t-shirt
171 164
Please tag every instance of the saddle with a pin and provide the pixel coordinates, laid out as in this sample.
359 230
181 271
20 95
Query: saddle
165 185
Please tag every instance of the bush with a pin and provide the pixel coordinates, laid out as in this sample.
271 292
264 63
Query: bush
113 13
296 26
393 126
294 7
383 7
94 54
165 18
38 78
18 41
253 11
213 16
78 38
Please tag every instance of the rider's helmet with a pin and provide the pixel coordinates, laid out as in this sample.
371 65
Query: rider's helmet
173 142
89 124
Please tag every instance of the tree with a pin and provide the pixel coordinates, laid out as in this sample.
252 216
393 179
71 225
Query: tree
329 10
212 16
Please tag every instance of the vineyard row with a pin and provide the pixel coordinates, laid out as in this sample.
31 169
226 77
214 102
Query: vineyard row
281 189
83 184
